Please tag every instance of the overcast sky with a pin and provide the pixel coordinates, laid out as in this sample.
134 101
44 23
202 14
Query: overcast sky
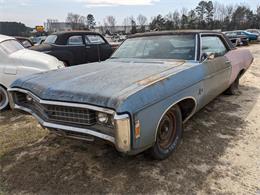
35 12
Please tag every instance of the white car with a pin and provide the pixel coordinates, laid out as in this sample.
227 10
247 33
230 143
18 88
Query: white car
16 62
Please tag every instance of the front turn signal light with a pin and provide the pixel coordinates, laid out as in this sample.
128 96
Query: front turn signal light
137 129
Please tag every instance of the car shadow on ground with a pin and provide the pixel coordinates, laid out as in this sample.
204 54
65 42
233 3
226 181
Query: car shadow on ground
55 165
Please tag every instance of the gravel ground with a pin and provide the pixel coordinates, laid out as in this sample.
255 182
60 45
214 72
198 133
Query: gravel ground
220 154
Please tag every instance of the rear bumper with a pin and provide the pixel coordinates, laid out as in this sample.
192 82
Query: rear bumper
121 140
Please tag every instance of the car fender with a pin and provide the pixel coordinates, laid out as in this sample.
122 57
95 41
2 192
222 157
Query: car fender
240 60
161 96
64 56
150 117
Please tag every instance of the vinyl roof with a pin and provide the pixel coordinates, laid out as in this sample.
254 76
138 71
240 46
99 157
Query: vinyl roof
158 33
75 32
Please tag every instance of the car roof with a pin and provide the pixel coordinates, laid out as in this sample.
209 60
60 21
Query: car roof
63 36
176 32
187 32
4 38
75 32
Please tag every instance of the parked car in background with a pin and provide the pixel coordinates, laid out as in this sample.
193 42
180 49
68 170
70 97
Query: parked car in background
140 97
16 62
250 36
26 42
76 47
114 44
254 31
237 40
38 40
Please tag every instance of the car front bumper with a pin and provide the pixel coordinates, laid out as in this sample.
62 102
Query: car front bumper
122 134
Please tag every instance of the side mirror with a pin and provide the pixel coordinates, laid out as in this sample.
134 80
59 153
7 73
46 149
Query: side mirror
207 56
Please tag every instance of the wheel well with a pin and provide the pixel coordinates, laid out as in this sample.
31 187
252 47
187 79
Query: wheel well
241 73
187 107
67 63
3 86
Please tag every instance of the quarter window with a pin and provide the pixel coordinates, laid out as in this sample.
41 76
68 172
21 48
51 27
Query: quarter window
26 44
75 40
11 46
94 39
213 44
51 39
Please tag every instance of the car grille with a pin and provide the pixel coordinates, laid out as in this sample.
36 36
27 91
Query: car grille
64 115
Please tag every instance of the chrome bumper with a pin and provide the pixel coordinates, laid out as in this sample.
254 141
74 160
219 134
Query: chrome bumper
122 139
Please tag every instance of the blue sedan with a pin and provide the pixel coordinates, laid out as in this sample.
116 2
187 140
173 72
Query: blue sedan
250 36
139 98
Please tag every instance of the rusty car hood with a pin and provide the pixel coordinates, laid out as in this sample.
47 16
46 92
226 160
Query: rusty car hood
103 84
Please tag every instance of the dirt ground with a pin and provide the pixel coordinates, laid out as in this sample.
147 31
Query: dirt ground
220 154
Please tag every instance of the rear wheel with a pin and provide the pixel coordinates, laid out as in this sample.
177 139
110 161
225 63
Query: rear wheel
234 88
4 100
169 134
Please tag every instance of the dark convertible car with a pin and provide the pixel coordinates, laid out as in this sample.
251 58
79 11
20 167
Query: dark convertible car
76 47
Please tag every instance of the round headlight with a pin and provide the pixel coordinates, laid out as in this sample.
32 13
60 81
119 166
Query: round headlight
29 98
102 117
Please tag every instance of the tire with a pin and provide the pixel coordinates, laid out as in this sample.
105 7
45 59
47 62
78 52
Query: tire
169 134
4 100
234 88
237 43
246 43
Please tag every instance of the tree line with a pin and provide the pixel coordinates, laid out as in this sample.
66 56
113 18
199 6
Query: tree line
14 29
206 15
209 15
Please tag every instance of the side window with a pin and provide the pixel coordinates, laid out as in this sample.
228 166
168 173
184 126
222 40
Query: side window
213 44
26 44
94 39
75 40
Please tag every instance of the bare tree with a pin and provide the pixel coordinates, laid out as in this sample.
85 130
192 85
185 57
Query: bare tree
176 19
142 20
127 23
77 21
111 20
133 25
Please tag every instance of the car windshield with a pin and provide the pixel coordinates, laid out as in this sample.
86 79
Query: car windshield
11 46
51 39
158 47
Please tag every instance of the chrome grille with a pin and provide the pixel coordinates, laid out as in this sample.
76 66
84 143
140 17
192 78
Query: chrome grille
60 114
71 114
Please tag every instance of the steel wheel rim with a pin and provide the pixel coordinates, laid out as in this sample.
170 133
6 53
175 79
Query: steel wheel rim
3 99
167 130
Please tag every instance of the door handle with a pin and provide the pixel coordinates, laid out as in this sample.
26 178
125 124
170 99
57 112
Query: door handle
227 62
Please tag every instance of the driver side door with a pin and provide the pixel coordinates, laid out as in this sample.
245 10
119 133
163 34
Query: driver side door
217 70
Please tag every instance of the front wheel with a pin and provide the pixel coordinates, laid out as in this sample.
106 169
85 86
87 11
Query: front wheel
169 134
4 100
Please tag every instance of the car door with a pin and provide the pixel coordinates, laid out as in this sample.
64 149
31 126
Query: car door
92 50
106 49
97 48
217 69
76 46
